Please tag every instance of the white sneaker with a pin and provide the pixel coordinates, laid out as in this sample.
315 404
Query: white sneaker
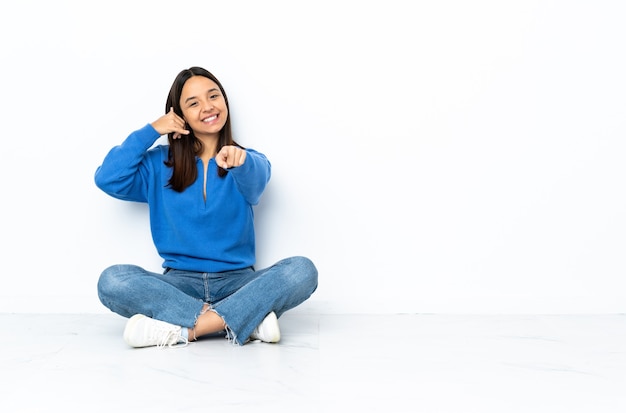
143 331
268 331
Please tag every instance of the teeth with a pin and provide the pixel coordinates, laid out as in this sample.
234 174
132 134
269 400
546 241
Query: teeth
210 118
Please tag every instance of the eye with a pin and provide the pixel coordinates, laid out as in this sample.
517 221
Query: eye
214 96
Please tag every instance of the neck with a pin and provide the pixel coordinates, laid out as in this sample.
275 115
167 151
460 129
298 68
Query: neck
209 146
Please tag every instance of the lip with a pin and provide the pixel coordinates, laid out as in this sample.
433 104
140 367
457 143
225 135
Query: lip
210 119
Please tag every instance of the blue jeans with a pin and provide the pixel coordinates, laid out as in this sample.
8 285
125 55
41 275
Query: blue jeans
242 298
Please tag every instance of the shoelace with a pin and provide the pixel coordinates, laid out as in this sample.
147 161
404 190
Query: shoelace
167 340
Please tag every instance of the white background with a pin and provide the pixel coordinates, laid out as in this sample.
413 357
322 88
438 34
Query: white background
428 156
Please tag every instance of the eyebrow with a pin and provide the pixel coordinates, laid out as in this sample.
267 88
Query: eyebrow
193 97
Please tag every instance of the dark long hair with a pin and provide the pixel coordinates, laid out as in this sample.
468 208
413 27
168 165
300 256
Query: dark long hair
183 151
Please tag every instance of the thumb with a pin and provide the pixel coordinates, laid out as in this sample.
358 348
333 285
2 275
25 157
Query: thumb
222 158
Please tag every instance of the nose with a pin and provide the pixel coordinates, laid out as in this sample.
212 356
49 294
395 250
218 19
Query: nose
207 106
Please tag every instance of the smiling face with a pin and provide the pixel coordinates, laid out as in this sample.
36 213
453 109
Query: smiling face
203 106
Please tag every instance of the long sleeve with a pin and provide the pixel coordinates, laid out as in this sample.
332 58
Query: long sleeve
123 173
252 177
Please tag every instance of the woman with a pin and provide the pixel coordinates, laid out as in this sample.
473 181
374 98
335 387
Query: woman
201 188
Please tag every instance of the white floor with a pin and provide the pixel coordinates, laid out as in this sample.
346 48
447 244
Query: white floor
324 363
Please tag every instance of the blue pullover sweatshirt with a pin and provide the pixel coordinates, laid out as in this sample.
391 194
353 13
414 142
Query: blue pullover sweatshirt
188 232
